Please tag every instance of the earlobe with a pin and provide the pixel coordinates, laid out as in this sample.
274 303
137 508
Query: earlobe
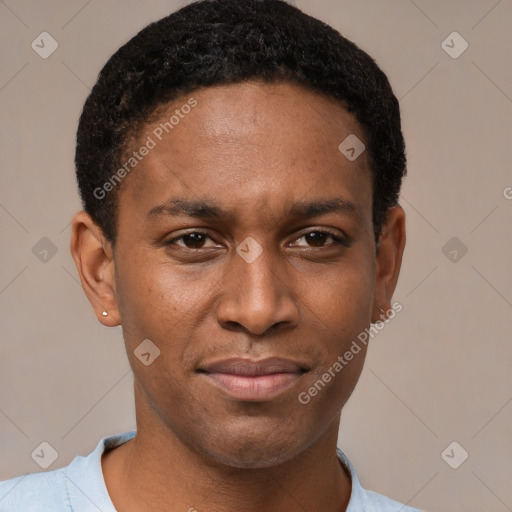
389 261
94 261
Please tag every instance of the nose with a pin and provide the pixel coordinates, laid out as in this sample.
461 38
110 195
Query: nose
257 296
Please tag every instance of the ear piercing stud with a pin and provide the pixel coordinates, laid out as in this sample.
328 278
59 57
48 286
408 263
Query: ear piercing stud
104 313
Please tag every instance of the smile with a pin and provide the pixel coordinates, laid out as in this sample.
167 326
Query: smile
255 381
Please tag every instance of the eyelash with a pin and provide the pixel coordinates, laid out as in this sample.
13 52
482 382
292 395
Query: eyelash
337 239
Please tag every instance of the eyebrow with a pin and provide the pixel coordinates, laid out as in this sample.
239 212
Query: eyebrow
176 207
315 208
207 210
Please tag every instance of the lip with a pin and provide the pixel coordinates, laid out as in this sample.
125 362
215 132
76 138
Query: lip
253 380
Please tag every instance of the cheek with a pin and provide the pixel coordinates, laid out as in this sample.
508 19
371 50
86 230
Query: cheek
166 306
342 300
345 315
329 388
340 306
152 296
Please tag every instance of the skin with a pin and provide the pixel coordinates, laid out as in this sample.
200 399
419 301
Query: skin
253 150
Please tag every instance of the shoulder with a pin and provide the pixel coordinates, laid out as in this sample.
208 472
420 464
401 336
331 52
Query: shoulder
381 503
78 486
35 492
369 501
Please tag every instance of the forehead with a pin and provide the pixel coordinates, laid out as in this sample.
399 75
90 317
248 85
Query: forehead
258 108
248 142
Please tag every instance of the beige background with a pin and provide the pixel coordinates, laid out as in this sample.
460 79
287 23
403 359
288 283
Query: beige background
440 372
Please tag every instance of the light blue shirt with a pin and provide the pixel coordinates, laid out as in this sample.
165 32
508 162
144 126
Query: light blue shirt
80 487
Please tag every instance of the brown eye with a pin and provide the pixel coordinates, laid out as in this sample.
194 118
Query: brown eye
193 240
317 238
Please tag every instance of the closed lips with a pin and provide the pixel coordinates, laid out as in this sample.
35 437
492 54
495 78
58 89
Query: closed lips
252 368
250 380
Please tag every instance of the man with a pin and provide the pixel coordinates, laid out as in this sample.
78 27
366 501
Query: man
239 164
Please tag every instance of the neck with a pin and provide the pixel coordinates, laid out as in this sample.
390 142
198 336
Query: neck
155 471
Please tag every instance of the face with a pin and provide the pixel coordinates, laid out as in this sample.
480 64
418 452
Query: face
245 252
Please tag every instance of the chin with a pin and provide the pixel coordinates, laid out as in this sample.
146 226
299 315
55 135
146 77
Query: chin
251 455
253 446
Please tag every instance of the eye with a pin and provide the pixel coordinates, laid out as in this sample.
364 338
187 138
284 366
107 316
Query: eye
320 238
192 240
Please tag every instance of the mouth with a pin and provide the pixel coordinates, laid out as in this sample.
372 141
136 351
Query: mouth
251 380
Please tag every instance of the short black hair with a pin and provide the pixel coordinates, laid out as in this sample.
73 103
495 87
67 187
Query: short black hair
219 42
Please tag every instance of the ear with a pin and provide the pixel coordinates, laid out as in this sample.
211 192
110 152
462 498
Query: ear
94 259
389 260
